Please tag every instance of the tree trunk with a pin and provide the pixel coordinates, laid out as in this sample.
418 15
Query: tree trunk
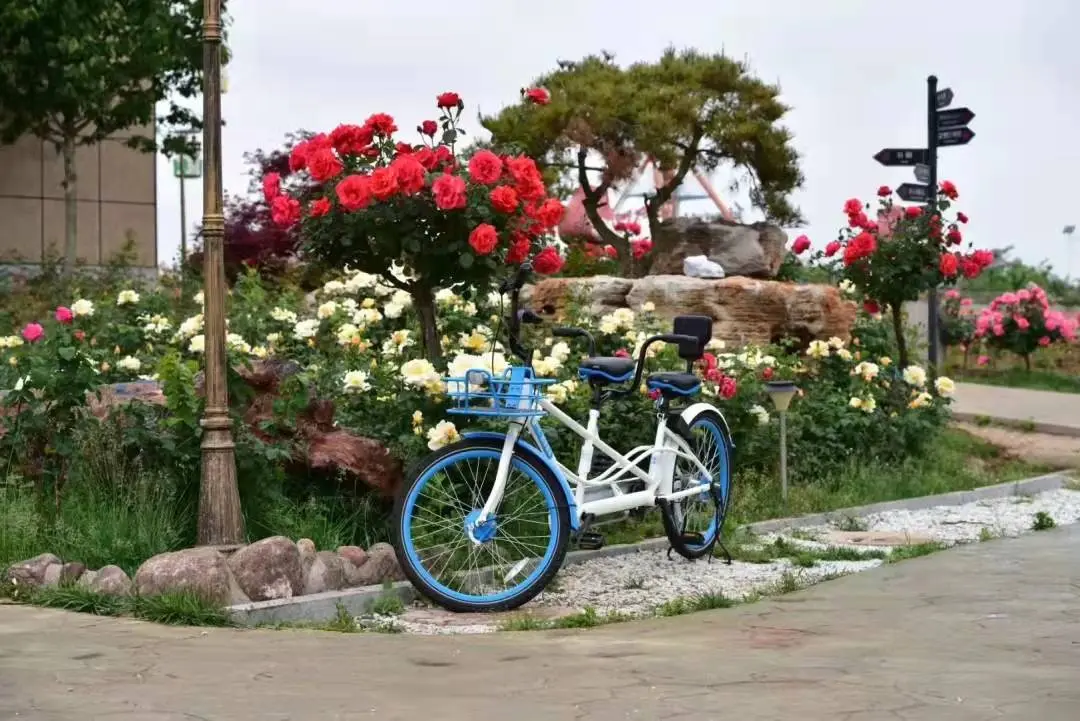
424 300
898 330
71 207
1027 362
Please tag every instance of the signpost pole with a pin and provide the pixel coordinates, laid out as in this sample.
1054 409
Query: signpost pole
932 319
183 221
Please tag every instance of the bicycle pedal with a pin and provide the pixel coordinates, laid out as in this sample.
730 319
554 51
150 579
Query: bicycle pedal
590 541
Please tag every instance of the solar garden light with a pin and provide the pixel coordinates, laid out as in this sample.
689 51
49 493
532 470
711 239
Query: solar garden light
781 393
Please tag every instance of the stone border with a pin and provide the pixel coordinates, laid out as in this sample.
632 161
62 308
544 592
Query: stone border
356 601
1030 426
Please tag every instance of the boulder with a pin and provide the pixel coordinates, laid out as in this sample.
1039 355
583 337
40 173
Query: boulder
743 310
31 572
202 571
327 573
72 572
268 569
353 554
87 579
52 574
110 581
381 566
755 250
306 547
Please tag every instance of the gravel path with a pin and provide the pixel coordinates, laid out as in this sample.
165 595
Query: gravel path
640 584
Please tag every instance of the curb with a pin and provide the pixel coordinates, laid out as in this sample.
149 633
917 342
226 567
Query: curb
1031 426
357 601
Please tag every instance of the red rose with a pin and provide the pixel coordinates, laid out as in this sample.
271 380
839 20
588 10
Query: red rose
504 199
913 211
884 191
271 185
832 248
383 183
728 387
354 192
429 127
954 236
485 167
640 248
622 353
80 335
548 261
426 157
527 180
447 100
858 220
319 208
403 149
285 211
984 258
324 165
351 139
801 245
611 251
949 190
970 268
549 213
861 245
871 307
298 156
410 174
961 217
853 206
449 192
64 315
767 374
381 124
949 265
484 238
519 249
538 96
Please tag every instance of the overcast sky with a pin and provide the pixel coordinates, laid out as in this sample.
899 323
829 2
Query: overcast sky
853 71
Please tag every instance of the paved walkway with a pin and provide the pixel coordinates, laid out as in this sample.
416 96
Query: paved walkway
1058 412
989 631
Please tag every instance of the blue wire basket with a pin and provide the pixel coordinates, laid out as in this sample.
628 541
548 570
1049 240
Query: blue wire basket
516 393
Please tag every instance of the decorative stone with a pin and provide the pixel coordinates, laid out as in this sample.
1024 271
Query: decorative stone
381 566
743 310
327 573
355 555
755 250
202 571
51 577
268 569
31 572
110 581
72 572
87 579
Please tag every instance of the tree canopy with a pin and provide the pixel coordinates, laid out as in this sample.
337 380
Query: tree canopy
689 110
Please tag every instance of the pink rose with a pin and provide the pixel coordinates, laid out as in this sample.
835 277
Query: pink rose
33 332
64 315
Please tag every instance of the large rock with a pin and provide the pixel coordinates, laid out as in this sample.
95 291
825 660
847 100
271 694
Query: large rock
379 564
749 250
743 310
202 571
327 573
32 572
269 568
108 580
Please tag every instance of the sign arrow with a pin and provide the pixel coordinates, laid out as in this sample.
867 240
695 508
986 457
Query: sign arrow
922 173
944 98
914 193
955 118
955 136
901 156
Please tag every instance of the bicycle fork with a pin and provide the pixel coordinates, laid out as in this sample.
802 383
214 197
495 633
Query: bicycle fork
503 472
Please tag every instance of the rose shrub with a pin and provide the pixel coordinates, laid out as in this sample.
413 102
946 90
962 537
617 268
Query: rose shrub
1022 322
903 252
443 222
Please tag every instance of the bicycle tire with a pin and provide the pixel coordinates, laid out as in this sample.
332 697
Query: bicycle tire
413 565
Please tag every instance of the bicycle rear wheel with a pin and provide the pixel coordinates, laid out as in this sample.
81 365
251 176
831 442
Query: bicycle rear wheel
494 566
695 523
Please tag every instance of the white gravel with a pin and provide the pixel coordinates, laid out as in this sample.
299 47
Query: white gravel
637 584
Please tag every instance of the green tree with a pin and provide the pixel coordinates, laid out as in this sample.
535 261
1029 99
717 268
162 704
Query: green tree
73 72
687 111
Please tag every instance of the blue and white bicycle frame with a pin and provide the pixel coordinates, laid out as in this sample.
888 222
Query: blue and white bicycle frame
606 493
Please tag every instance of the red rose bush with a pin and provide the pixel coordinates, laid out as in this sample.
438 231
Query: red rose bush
444 220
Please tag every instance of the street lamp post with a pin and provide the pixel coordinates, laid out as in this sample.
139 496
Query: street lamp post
220 519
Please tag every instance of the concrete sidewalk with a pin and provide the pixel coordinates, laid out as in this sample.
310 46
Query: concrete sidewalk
1048 412
988 631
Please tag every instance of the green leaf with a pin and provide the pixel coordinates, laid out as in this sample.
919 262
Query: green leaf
466 260
66 352
449 136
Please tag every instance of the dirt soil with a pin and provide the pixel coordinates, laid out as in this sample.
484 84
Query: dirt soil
1057 451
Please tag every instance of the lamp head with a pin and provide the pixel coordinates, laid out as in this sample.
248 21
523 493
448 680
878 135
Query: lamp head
781 393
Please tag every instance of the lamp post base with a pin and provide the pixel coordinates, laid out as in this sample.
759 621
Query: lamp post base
221 521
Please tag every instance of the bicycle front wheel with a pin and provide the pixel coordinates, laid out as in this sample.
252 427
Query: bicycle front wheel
496 565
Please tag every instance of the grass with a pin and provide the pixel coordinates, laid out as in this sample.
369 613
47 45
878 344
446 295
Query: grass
1035 379
175 609
1042 521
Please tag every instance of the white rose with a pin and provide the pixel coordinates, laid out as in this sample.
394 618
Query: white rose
283 315
82 307
129 363
127 297
197 344
356 382
443 433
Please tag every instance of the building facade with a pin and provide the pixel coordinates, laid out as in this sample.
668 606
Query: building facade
116 189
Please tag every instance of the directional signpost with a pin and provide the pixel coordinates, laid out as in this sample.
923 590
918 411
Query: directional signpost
914 193
944 128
